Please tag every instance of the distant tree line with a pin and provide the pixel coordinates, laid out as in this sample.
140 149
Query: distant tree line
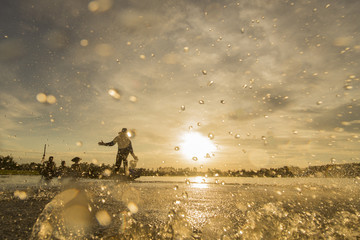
92 170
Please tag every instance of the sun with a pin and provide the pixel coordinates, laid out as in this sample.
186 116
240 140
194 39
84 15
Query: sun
196 146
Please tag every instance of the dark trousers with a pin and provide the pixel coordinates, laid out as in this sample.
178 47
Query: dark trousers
121 156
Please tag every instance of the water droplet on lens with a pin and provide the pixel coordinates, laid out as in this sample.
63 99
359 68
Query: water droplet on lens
194 158
210 83
131 133
319 102
51 99
103 218
133 207
84 42
114 93
177 148
204 72
107 173
41 97
20 194
132 99
237 135
222 101
211 135
199 124
201 101
79 143
263 138
176 187
182 108
185 195
187 181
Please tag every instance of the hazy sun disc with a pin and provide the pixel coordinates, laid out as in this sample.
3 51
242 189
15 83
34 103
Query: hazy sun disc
196 145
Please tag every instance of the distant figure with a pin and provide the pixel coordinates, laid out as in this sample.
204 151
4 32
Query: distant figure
124 148
49 169
75 167
62 170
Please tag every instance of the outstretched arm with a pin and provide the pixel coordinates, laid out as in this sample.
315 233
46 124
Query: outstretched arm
112 143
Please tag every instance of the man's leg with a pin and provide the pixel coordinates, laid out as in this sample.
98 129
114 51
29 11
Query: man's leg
118 161
126 169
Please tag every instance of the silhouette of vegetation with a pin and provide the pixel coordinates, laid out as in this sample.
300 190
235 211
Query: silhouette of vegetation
86 170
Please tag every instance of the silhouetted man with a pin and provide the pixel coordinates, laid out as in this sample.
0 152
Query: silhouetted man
124 148
49 168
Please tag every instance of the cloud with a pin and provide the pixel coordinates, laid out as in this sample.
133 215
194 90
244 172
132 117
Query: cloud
343 118
273 66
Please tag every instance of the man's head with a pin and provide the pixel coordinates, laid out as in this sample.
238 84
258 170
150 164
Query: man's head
51 158
124 130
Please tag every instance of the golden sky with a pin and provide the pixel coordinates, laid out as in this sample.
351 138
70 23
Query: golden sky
253 83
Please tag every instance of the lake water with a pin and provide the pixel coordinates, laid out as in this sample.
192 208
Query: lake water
21 181
190 208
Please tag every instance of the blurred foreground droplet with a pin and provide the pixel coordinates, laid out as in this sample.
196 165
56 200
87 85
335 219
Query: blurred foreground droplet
41 97
107 173
194 158
211 135
114 93
201 102
20 194
177 148
51 99
131 133
182 108
84 42
79 143
132 99
100 5
103 218
133 207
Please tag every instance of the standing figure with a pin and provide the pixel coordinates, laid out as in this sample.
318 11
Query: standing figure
48 170
75 167
62 170
124 148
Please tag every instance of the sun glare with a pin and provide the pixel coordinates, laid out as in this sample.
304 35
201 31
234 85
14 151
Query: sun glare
196 146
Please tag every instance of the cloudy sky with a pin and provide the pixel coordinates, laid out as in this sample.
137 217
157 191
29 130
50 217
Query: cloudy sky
253 83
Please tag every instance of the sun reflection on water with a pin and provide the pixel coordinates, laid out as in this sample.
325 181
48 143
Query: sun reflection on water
199 182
